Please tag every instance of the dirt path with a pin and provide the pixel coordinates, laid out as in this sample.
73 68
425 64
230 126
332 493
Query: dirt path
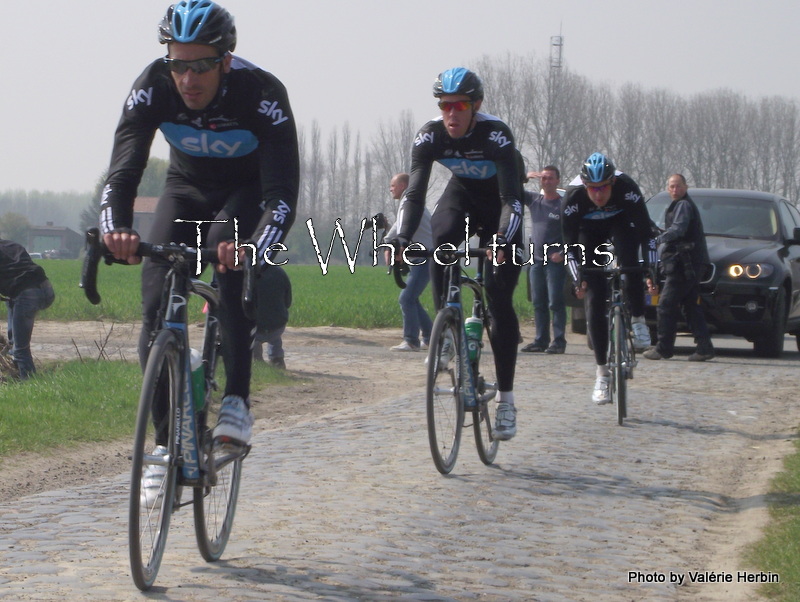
322 387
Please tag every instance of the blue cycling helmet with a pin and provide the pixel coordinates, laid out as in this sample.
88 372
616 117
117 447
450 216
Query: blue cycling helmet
458 81
198 22
597 168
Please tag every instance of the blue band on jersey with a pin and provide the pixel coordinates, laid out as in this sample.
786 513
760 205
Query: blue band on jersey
206 143
600 214
474 170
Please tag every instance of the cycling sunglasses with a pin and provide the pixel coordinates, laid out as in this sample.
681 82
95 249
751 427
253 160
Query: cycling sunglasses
458 105
597 188
199 66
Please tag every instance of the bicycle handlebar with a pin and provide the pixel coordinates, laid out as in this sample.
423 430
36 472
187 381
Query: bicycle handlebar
96 250
446 256
638 269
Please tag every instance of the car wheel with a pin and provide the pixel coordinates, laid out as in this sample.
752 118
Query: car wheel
771 344
578 320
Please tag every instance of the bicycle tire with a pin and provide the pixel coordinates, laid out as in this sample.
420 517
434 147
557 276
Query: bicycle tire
148 522
444 403
483 417
214 503
619 385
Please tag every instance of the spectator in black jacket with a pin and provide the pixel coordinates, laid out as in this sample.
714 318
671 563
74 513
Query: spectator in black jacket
26 290
273 300
684 255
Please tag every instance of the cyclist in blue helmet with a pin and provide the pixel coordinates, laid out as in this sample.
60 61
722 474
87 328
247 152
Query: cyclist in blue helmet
234 163
485 188
604 205
597 168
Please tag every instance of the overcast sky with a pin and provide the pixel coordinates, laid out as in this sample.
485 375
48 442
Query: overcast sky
68 68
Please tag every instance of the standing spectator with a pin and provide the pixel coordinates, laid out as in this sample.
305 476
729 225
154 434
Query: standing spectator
273 300
417 324
547 272
684 255
27 290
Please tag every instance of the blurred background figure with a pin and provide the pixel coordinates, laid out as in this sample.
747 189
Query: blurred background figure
417 324
26 290
273 300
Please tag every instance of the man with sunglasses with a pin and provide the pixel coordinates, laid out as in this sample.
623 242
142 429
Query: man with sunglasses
601 206
484 188
234 165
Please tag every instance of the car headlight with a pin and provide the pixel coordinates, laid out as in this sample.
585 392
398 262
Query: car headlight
750 271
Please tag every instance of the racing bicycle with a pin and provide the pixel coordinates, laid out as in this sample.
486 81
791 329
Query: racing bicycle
621 352
178 414
457 383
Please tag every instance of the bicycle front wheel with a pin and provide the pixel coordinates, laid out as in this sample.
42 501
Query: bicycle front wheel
154 469
445 408
483 417
215 502
618 361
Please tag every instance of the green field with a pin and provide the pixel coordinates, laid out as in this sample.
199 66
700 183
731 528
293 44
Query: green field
365 298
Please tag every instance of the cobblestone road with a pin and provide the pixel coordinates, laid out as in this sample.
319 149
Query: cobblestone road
348 505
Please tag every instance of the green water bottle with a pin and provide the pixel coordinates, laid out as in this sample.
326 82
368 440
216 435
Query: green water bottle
474 328
198 378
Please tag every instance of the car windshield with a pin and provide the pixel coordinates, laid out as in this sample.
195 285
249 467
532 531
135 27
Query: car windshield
736 217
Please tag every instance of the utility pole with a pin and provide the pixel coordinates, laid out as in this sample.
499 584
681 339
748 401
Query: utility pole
556 58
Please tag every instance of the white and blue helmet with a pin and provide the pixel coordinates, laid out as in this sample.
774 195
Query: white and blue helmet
198 22
597 168
458 81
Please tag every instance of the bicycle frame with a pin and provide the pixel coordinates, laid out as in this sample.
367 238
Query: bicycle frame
456 280
175 304
618 299
621 352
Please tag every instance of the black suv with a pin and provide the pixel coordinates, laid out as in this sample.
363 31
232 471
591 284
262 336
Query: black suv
752 288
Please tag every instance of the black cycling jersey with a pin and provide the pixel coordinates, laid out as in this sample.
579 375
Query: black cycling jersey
247 134
580 214
486 187
484 163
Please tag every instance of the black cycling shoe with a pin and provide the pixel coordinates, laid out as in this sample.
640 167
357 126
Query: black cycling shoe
534 348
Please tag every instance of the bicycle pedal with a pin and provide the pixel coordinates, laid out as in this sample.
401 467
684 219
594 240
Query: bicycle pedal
227 449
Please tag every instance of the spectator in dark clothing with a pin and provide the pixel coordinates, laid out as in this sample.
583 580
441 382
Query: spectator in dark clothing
273 300
684 256
26 289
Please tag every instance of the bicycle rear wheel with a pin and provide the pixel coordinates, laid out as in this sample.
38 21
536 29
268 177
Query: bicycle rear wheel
214 503
618 362
483 416
150 507
445 409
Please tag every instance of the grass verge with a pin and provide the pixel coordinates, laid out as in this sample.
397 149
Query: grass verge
778 551
82 402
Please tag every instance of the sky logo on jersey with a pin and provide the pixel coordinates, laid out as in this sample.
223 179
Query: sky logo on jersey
140 96
270 109
632 196
423 138
500 138
280 213
474 170
203 143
